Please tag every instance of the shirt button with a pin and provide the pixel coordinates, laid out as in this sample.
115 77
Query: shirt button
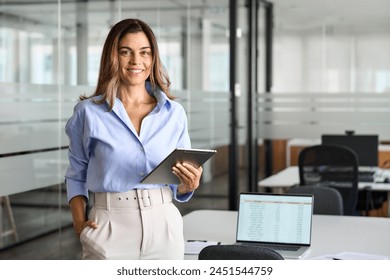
141 149
142 174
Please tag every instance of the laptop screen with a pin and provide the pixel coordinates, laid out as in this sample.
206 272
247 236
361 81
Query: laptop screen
275 218
365 146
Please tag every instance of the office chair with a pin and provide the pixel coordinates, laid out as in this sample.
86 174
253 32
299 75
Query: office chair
331 166
369 200
327 201
238 252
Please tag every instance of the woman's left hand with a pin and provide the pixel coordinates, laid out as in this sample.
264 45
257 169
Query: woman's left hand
188 175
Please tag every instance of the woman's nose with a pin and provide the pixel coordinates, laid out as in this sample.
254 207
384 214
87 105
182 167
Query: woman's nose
134 59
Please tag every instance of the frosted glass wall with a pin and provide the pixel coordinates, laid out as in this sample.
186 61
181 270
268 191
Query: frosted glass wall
331 71
46 62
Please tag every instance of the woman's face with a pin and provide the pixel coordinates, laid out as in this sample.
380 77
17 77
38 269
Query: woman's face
135 58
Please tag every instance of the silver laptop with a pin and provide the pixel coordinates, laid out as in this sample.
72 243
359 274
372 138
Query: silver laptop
282 222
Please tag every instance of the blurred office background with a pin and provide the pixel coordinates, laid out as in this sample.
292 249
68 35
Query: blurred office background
258 79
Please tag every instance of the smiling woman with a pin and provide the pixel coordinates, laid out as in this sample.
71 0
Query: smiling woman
135 61
119 134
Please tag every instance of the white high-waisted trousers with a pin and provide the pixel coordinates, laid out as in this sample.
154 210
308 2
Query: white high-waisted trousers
138 225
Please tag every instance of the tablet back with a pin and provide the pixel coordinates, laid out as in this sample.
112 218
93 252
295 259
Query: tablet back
162 174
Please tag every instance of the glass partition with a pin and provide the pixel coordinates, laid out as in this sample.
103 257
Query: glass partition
47 62
331 73
32 154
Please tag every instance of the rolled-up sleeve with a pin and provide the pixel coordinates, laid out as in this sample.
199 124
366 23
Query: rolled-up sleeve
76 173
180 198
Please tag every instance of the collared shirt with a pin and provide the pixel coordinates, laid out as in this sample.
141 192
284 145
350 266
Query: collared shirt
107 155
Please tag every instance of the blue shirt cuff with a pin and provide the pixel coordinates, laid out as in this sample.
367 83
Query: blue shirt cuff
75 188
181 197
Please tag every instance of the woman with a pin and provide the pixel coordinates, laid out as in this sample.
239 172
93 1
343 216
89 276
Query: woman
117 136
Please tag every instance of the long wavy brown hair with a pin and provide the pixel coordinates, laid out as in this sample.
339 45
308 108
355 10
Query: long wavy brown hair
109 80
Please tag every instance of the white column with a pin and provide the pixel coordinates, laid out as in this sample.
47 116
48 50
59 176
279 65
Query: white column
206 43
206 56
82 43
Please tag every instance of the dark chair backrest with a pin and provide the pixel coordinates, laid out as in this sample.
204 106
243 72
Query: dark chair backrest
327 201
331 166
238 252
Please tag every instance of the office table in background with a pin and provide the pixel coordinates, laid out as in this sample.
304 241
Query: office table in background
289 177
330 234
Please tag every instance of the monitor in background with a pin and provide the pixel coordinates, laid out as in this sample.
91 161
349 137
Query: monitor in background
365 146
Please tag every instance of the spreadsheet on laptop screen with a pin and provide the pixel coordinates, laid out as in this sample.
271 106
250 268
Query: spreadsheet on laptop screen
275 218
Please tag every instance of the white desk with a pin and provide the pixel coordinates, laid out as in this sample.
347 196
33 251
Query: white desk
289 177
330 235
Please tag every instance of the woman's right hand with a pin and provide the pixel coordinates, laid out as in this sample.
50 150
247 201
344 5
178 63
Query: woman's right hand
78 228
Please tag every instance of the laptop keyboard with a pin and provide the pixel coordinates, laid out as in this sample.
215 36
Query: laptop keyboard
366 176
275 246
282 247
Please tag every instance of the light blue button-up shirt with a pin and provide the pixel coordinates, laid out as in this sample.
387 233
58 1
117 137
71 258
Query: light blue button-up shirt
107 155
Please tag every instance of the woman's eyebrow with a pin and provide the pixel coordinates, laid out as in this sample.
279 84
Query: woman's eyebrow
142 48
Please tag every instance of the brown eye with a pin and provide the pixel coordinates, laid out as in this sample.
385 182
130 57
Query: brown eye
125 53
145 53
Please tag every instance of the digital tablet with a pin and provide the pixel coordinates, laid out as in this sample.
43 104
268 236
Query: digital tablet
162 174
